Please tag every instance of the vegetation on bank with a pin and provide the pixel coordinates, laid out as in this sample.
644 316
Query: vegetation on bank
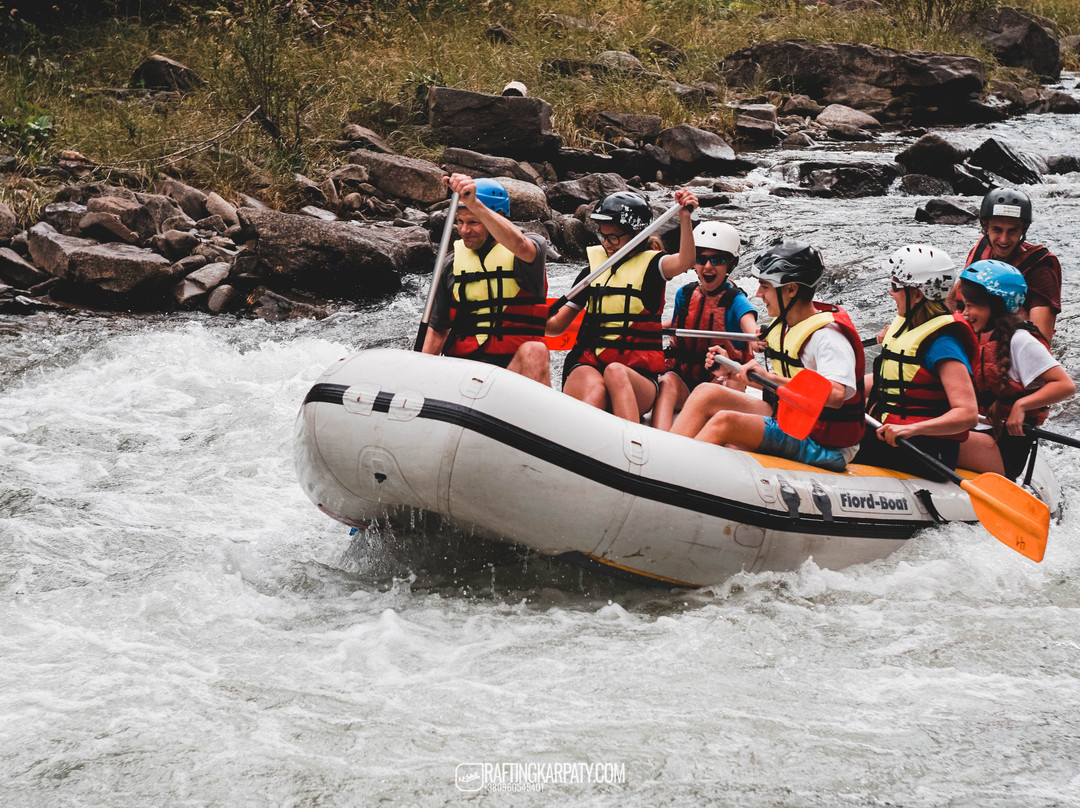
281 78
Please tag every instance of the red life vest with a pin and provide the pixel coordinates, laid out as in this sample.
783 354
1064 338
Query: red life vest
1025 257
904 391
704 312
491 313
986 372
620 326
837 427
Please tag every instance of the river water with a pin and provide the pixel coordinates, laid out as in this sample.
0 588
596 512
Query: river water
182 627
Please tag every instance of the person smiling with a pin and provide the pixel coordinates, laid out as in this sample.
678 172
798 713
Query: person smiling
712 303
1005 216
1016 376
619 355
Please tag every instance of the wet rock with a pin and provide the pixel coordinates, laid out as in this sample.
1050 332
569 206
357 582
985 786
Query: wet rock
798 140
509 126
569 235
837 115
802 105
930 86
924 185
275 307
1017 38
404 177
698 151
335 259
567 196
1002 160
847 132
116 268
1061 103
17 271
475 164
224 298
941 211
756 123
969 180
1062 164
933 155
848 181
859 96
161 73
527 200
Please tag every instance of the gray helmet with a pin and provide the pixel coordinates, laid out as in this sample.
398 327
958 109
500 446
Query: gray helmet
625 209
789 261
1006 202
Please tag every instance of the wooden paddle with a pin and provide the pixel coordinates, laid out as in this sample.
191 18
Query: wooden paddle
801 399
436 275
623 251
1012 515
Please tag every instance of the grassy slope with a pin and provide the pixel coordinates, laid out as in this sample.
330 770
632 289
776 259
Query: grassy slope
372 68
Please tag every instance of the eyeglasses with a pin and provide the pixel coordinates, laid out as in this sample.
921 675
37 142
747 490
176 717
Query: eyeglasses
611 238
717 259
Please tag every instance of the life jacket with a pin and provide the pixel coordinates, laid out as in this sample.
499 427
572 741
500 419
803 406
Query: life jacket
704 312
620 326
836 427
904 391
1023 258
491 313
986 372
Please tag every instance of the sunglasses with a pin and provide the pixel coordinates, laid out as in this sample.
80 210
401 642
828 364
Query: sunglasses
896 286
611 238
719 259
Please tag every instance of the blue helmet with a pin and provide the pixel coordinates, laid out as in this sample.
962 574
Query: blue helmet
999 279
493 195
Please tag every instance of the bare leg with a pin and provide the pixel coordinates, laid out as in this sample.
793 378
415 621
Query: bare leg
672 396
980 453
631 394
734 428
586 384
709 399
533 361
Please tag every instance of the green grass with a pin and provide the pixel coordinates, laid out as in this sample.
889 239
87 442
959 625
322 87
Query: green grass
372 64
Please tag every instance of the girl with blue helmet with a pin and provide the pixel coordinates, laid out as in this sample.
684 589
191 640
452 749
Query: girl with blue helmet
1016 377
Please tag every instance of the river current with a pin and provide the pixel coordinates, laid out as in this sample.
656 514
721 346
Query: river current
181 626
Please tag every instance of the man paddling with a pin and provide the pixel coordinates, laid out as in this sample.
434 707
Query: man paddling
803 334
1005 216
490 304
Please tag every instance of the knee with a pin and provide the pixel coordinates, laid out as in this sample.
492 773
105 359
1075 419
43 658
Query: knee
616 373
534 353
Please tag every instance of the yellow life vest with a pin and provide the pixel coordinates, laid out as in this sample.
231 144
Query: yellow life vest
483 289
616 299
786 362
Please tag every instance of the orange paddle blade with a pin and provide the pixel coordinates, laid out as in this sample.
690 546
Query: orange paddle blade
1012 515
801 401
565 341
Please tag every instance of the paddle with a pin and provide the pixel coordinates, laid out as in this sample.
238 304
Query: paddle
801 399
565 341
624 251
1039 432
1012 515
690 333
436 275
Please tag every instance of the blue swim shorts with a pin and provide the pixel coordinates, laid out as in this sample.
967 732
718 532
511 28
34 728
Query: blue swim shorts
779 443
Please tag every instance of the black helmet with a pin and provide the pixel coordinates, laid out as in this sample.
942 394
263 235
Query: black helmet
625 209
1006 202
789 261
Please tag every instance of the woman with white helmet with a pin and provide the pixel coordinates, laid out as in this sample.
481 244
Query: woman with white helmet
1016 376
922 387
712 303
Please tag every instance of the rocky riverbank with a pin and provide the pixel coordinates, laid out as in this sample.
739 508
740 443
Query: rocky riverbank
121 242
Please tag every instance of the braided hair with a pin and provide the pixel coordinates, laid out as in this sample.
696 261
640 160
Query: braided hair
1002 326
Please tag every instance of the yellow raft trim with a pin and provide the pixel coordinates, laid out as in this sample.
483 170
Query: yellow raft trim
653 576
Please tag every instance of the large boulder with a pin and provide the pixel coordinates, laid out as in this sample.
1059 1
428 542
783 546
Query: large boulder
924 85
510 126
404 177
569 195
698 151
333 259
113 268
1017 38
1003 161
931 155
475 164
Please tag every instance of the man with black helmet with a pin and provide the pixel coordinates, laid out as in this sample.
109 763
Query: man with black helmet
491 302
1005 216
804 333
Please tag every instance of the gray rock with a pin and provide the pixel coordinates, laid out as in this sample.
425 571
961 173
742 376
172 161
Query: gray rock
107 227
159 207
216 205
131 213
475 164
933 155
118 268
179 222
319 213
191 200
9 225
941 211
64 216
210 275
17 271
802 105
275 307
835 115
189 263
567 196
924 185
224 298
527 200
510 126
757 123
365 138
404 177
620 62
1062 164
1017 38
174 243
698 149
798 140
1001 159
211 224
1061 103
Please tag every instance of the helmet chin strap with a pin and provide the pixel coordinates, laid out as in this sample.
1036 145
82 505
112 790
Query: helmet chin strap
780 320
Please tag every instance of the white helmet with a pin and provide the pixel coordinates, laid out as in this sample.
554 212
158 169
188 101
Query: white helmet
717 236
923 267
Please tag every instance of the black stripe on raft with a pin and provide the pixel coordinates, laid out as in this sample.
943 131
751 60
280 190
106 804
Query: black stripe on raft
644 487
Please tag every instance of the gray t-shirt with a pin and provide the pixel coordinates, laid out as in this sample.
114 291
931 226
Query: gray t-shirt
530 276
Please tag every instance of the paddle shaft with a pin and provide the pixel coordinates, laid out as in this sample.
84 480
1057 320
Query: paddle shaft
436 275
754 375
624 251
1038 432
931 461
690 333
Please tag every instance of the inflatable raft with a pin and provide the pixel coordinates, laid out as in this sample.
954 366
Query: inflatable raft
483 447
